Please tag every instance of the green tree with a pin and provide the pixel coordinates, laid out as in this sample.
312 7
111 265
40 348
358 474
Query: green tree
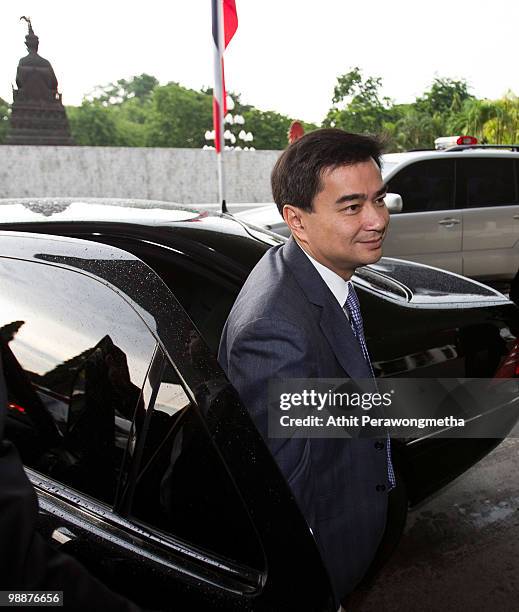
140 87
415 130
445 95
139 112
503 126
472 118
269 128
93 124
357 105
115 114
122 125
178 117
444 102
131 119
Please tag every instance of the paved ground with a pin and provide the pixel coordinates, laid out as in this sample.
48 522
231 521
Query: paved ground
460 551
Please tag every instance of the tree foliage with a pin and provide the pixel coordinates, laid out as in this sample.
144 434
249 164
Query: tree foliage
446 108
445 96
93 124
116 114
140 112
414 130
358 105
472 117
270 129
140 87
502 124
178 117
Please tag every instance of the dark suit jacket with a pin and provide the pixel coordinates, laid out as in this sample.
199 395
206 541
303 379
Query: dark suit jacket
286 323
26 560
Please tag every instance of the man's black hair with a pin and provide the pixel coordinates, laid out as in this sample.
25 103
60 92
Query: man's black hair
297 175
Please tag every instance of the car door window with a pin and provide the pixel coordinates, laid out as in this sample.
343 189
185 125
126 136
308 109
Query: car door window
425 185
486 182
183 488
205 295
76 355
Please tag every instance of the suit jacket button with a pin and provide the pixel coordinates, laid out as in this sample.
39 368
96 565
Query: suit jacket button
379 445
380 488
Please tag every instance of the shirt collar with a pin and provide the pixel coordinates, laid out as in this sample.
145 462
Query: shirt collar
336 284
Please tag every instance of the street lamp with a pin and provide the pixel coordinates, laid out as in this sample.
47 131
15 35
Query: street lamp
231 134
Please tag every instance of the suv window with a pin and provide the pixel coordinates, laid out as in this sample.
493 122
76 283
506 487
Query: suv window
183 487
76 356
486 182
425 185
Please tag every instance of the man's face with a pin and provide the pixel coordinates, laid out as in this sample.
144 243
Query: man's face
349 219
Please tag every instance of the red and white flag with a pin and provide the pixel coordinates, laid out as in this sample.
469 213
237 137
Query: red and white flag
225 24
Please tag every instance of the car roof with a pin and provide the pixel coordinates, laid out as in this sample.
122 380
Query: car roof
433 154
151 213
100 209
216 234
396 161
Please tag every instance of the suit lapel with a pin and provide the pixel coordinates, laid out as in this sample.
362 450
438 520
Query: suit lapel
345 346
333 321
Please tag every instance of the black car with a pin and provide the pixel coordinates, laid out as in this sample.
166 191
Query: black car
147 467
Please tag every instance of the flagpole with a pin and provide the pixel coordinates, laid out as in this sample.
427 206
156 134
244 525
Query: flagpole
223 16
221 106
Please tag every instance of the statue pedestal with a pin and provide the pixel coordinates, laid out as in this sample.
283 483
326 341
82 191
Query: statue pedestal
42 122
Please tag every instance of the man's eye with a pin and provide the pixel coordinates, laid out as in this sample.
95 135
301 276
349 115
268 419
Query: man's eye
350 210
381 201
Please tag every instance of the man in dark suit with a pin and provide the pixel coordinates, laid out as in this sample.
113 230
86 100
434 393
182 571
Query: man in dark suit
298 316
27 562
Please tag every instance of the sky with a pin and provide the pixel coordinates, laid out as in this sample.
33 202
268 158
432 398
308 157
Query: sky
286 54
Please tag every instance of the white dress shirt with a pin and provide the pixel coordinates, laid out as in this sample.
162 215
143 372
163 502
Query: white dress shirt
337 285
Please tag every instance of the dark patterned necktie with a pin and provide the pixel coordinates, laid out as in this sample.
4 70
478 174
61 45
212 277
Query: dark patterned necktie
352 308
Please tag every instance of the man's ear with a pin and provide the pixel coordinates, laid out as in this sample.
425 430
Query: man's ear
293 217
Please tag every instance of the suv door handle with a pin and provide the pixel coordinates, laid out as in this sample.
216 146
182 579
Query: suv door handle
449 222
516 216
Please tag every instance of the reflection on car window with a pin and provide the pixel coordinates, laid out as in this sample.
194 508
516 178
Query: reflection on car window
205 297
425 185
183 488
486 182
76 355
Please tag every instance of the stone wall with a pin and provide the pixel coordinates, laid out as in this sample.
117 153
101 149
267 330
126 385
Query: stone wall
177 175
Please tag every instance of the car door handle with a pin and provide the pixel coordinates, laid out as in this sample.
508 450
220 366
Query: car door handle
449 222
62 535
516 217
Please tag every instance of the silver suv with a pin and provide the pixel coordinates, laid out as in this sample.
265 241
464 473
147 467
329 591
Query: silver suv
459 210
